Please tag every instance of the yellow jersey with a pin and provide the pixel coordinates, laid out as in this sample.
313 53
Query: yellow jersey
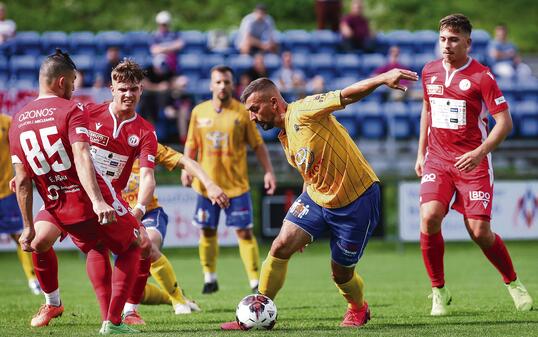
320 148
6 173
220 139
167 157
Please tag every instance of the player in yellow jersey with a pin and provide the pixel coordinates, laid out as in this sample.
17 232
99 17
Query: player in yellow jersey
218 135
10 215
342 191
155 220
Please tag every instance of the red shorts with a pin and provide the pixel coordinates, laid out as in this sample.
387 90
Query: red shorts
473 190
86 235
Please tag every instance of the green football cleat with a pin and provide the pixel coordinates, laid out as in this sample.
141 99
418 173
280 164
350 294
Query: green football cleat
441 298
520 295
108 328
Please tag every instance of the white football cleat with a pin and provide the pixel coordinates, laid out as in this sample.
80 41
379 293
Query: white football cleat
441 298
520 295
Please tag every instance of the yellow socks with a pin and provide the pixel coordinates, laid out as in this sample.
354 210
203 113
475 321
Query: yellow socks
163 273
272 275
248 249
154 295
353 291
208 250
27 264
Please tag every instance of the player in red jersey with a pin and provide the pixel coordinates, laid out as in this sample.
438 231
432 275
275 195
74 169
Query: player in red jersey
49 145
454 157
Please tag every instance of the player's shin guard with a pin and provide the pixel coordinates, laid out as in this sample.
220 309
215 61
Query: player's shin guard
209 250
100 274
26 263
248 249
163 272
46 270
353 292
272 276
433 250
498 255
137 291
154 295
127 265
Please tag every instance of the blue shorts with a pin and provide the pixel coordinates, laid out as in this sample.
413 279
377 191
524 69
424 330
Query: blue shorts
10 215
156 219
350 226
238 214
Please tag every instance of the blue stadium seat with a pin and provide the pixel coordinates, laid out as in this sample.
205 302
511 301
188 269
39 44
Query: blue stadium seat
110 38
24 84
529 107
373 126
86 64
348 64
425 41
341 82
481 40
24 67
137 42
191 65
240 63
297 40
528 126
395 108
322 64
401 38
419 60
348 119
372 61
401 126
211 60
143 59
83 43
325 41
515 125
272 62
301 61
269 135
52 40
195 41
528 88
27 43
367 108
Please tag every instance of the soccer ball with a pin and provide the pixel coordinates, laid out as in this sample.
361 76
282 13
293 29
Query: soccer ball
256 312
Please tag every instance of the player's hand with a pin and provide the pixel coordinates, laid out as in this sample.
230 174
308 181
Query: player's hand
393 77
469 161
27 235
269 182
12 185
106 214
186 178
217 196
419 165
145 242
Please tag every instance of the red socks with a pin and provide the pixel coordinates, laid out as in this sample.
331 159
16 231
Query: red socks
433 249
127 265
498 255
46 270
100 274
137 292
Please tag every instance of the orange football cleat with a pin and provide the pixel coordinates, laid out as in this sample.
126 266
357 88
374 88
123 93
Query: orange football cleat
45 314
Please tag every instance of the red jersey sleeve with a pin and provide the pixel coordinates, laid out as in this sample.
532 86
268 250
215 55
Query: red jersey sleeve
148 149
77 125
491 94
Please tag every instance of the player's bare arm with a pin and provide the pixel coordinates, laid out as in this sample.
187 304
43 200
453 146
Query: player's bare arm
468 161
145 191
422 140
24 192
186 177
86 174
269 179
214 192
361 89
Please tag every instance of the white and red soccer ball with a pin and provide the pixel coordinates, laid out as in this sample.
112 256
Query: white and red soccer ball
256 312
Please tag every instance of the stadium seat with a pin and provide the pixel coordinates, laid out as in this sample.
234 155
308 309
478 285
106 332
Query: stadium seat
515 125
137 42
480 43
24 67
269 135
401 38
373 127
325 41
348 119
341 82
24 84
27 43
425 41
191 65
85 64
297 40
110 38
52 40
348 64
529 107
209 61
83 43
401 126
528 126
367 108
322 64
272 62
419 60
395 108
372 61
301 61
195 41
240 63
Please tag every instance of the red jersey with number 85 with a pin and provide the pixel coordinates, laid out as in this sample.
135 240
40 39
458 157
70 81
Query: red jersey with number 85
40 138
457 122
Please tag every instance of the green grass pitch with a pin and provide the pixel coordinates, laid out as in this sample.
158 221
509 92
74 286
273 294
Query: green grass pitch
309 304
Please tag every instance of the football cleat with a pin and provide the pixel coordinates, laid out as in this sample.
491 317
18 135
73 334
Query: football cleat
186 308
210 287
45 314
441 298
356 318
230 326
520 295
133 318
34 286
108 328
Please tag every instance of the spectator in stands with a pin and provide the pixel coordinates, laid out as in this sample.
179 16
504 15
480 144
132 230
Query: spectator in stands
179 106
166 42
328 13
112 58
355 29
257 32
7 26
156 88
258 68
287 78
394 62
503 56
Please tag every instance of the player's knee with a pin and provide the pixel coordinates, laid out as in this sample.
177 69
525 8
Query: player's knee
482 236
244 234
41 244
155 253
431 220
209 232
280 249
342 276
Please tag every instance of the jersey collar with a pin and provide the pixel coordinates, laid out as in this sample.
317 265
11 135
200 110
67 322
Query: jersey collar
117 128
449 78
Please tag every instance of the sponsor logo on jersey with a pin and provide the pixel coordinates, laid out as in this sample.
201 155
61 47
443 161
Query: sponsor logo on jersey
434 89
428 178
299 209
98 126
204 122
484 197
432 80
80 130
465 84
218 139
98 138
348 249
31 114
151 158
133 140
500 100
53 192
304 157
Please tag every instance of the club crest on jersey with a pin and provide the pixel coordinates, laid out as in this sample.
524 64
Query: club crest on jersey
133 140
434 89
432 80
304 157
465 84
484 197
299 209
